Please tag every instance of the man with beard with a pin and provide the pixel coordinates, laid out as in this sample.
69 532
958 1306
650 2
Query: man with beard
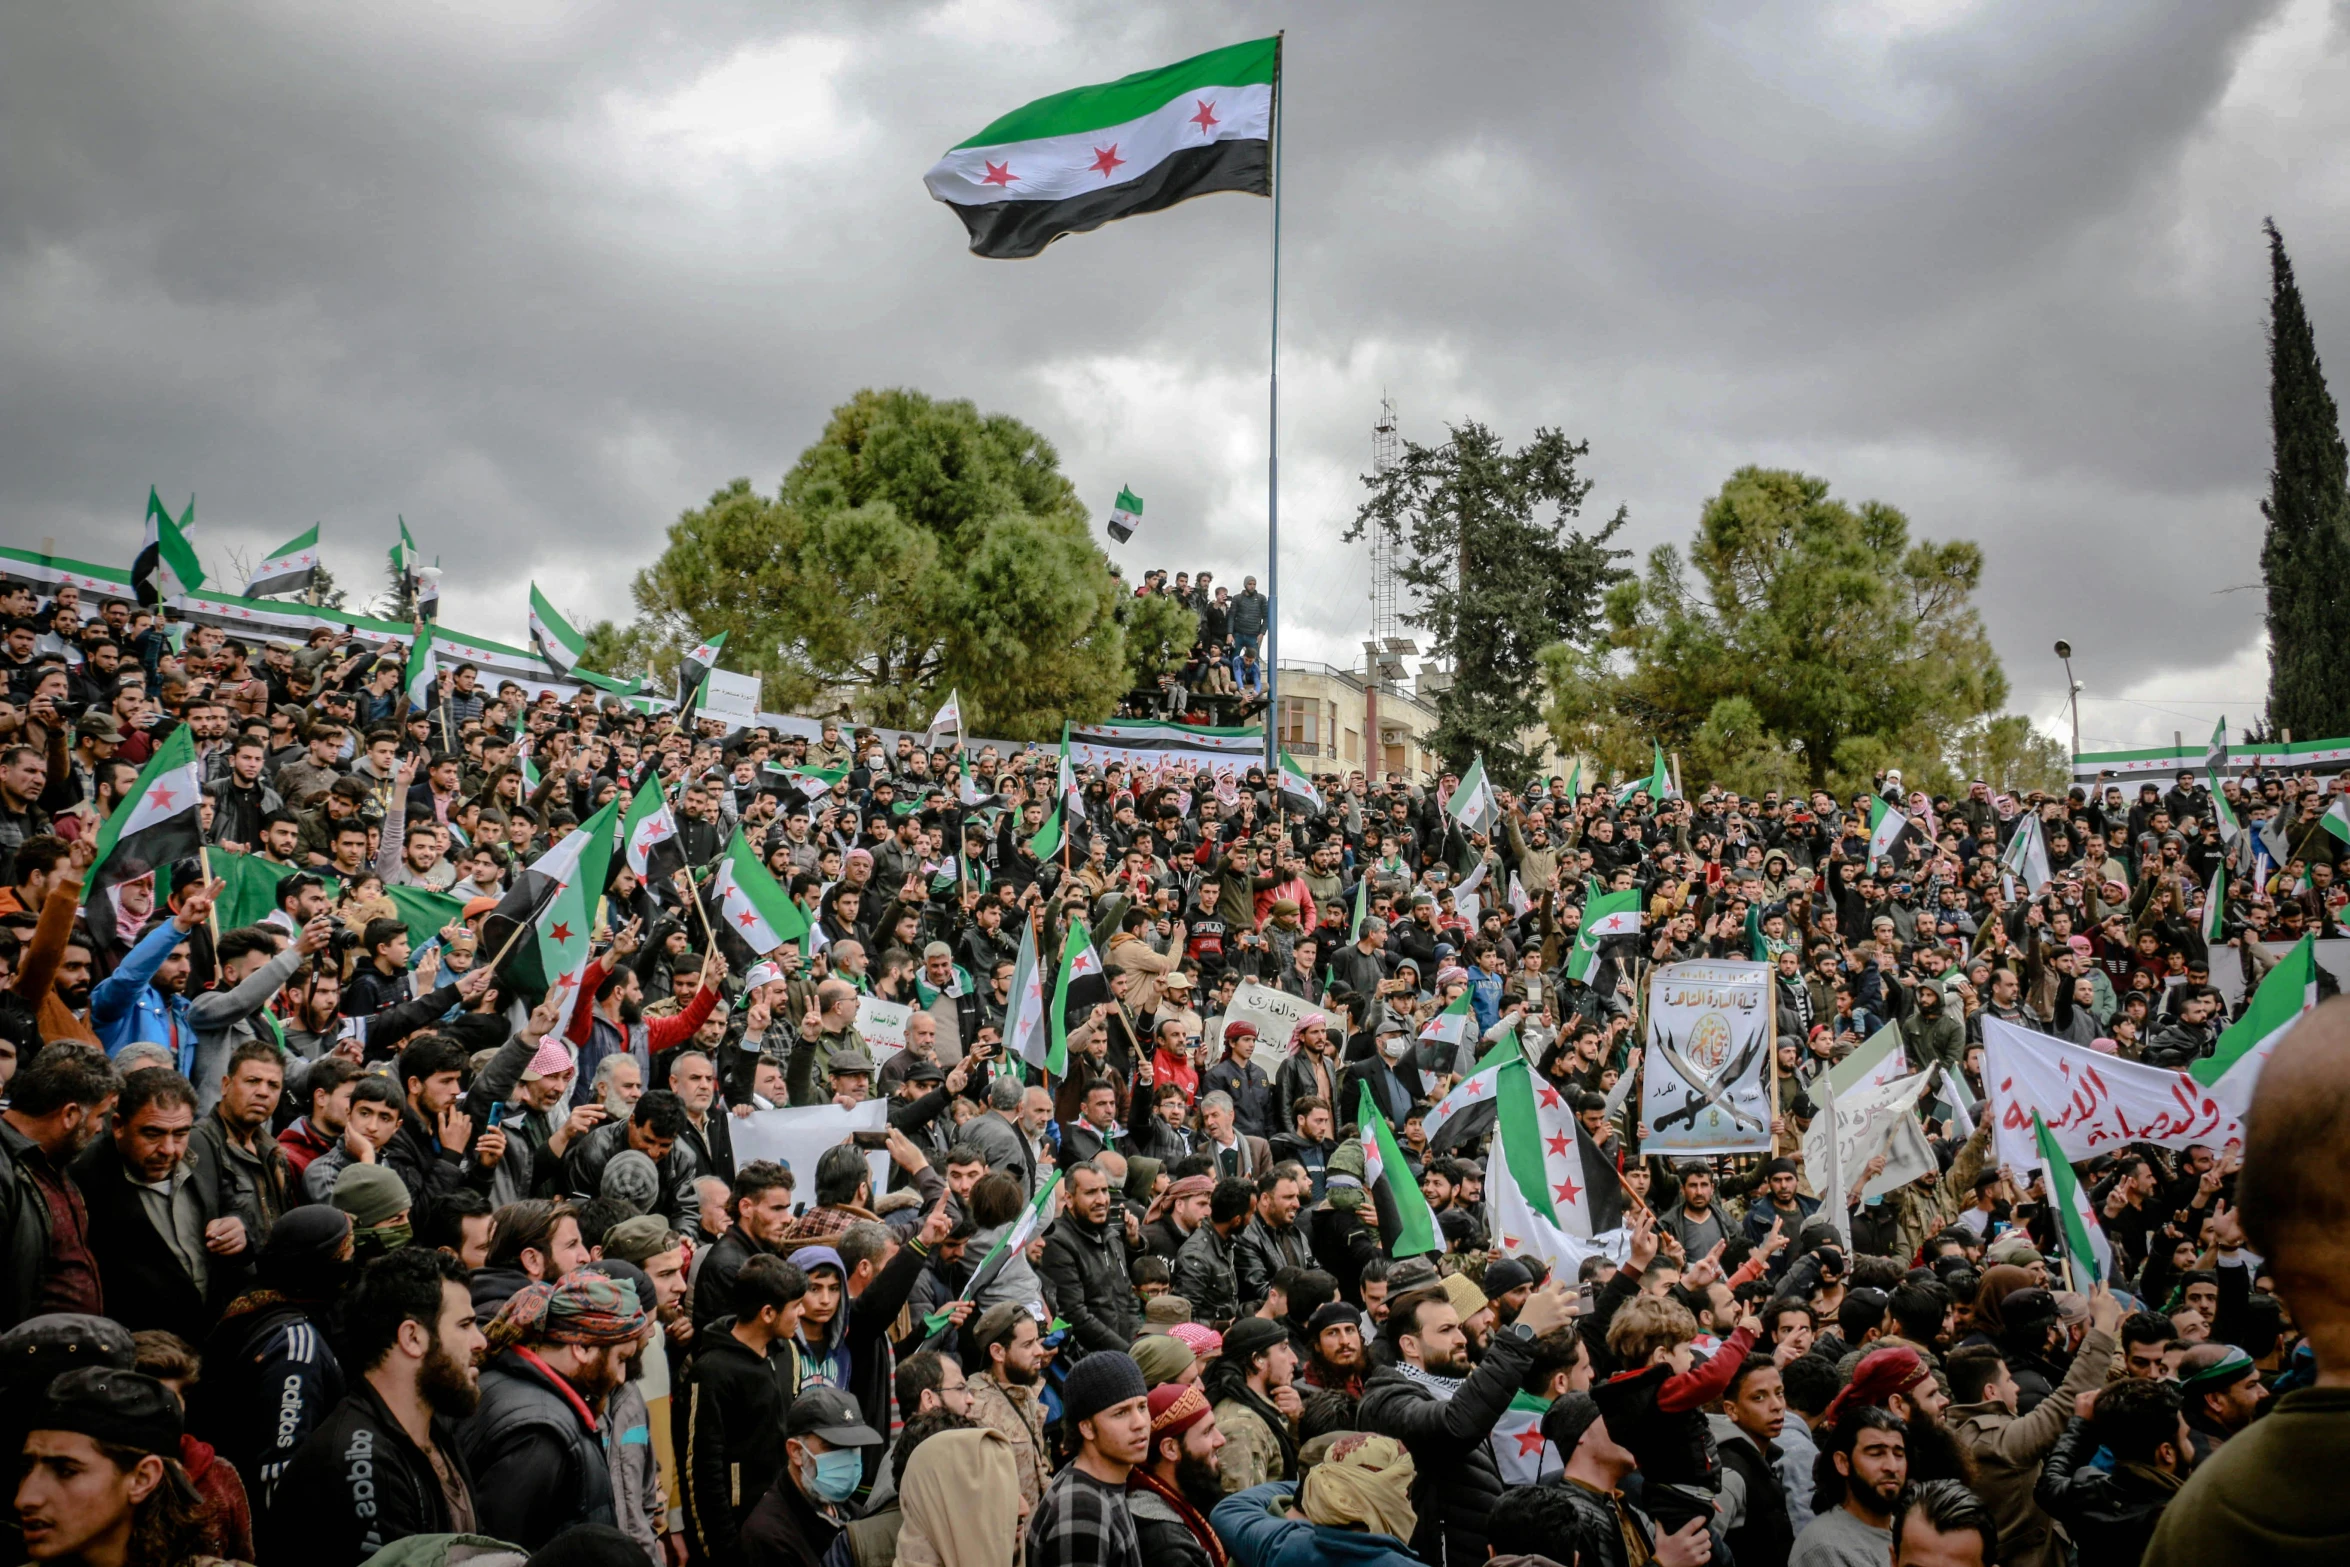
1003 1394
387 1462
1895 1378
1251 1385
1335 1358
1868 1467
536 1442
2112 1513
2007 1447
270 1375
57 1106
1174 1489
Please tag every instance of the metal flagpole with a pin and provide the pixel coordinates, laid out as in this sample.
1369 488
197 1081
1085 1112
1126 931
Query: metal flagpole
1273 461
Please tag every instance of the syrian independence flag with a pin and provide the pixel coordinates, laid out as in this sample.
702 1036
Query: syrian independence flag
1125 516
1520 904
157 824
1354 929
1558 1171
2215 906
1450 1026
649 834
1471 805
1519 1449
948 720
166 565
1078 987
693 669
1414 1230
553 636
2234 1064
1009 1244
2337 818
1070 163
2083 1238
967 792
1047 841
1024 1031
2215 751
290 568
1065 781
2223 814
403 554
553 905
1658 785
1605 914
1297 789
1887 827
423 669
1465 1112
812 781
2026 855
750 902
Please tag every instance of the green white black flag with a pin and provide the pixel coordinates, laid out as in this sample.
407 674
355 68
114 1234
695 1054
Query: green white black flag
1125 516
290 568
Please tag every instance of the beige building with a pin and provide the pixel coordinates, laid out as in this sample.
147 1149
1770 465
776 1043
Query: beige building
1326 713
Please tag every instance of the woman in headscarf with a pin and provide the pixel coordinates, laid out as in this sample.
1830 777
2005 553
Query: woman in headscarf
1997 1283
962 1503
1357 1504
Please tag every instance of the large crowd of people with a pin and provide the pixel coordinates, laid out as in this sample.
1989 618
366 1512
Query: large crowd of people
332 1241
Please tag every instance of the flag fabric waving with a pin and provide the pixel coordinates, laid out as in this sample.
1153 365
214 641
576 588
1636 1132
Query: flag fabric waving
695 668
1472 806
1025 1036
1072 162
2083 1238
290 568
555 638
1354 929
1078 984
423 669
1658 784
2223 814
1415 1229
1047 841
754 906
554 903
2337 818
2215 750
1297 788
1451 1026
1466 1110
1605 914
1564 1178
947 720
2026 856
158 823
1887 827
166 565
1125 515
2287 991
648 834
1021 1232
2215 905
1520 1451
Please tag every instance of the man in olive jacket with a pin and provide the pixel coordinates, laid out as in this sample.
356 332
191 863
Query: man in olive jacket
2008 1448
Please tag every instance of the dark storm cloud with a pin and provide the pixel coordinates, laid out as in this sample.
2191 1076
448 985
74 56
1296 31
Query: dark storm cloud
541 278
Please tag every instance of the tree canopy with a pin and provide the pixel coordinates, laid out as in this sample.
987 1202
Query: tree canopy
918 546
2305 554
1817 645
1495 574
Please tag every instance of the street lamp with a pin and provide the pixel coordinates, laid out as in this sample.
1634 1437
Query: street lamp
2072 689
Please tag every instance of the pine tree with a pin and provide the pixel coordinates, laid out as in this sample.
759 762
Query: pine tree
2305 558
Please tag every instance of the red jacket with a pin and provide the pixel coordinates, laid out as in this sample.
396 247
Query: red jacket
661 1033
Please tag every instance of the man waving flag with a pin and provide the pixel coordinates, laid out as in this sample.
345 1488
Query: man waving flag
649 835
155 825
752 904
544 920
692 670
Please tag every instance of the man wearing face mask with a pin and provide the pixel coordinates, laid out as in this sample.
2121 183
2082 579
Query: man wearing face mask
1393 1083
795 1523
534 1446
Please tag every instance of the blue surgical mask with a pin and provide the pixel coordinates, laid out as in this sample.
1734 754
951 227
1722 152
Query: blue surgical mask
837 1475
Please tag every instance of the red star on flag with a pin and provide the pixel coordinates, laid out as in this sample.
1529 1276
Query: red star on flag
1566 1191
1511 1243
1474 1087
160 797
1549 1098
1556 1144
998 173
566 981
1530 1441
1206 118
560 932
746 919
1105 159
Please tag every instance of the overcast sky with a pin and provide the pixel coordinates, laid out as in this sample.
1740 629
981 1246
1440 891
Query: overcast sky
540 276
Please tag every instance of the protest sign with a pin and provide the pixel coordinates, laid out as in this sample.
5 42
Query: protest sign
726 694
882 1025
797 1138
2093 1103
1710 1027
1276 1014
1873 1118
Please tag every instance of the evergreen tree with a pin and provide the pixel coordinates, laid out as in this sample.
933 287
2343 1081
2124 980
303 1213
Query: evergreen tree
2305 558
1494 582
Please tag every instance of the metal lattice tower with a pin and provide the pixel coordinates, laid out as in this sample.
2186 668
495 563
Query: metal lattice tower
1385 621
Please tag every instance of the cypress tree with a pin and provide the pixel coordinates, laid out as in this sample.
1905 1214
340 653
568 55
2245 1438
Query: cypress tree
2305 558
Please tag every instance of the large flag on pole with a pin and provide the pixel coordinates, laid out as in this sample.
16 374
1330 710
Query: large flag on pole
648 834
947 720
155 825
1466 1110
754 906
290 568
1025 1035
1887 827
1415 1228
1559 1175
557 641
692 670
1125 515
2215 751
1072 162
1472 806
2288 990
2082 1237
166 565
2026 856
1079 983
1605 914
554 903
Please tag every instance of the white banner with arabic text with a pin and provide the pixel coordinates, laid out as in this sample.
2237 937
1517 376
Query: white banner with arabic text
2094 1103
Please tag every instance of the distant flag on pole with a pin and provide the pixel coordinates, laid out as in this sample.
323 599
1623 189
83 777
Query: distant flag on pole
2215 905
1472 806
554 637
2215 751
288 569
2083 1238
166 566
693 669
1125 516
422 668
947 720
1297 788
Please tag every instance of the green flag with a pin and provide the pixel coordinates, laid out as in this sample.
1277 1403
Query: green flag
1011 1241
1415 1231
2085 1245
1047 841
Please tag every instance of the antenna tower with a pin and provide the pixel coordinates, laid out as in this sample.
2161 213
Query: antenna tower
1385 621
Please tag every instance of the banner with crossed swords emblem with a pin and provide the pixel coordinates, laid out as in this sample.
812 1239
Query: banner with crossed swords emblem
1707 1086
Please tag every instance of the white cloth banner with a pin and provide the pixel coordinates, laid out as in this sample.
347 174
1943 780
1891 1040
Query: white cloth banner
1709 1059
1276 1014
797 1138
2093 1103
1872 1119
